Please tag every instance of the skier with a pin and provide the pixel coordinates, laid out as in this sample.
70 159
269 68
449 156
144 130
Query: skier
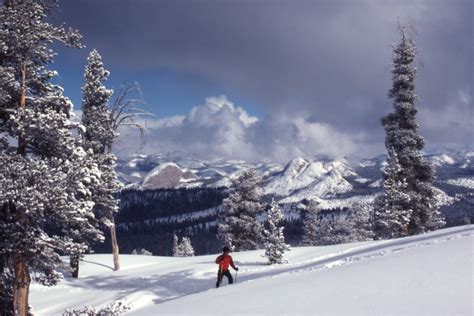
224 261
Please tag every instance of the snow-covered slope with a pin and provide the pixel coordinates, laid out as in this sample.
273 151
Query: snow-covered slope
425 274
298 173
324 187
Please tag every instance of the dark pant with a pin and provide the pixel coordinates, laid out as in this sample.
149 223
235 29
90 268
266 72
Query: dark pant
220 274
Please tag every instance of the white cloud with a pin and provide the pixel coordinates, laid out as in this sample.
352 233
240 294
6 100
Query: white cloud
219 129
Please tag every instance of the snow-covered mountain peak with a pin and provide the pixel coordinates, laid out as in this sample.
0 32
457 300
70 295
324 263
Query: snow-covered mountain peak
342 166
167 175
295 166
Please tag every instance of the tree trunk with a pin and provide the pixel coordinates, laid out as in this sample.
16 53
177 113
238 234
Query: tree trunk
115 247
74 264
23 86
21 286
113 235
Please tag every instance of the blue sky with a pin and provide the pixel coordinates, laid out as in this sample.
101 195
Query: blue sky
277 79
166 92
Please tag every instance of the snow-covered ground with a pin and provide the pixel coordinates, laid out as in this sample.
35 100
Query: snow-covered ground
420 275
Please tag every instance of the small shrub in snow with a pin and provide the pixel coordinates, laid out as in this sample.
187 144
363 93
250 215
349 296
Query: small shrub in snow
113 309
142 252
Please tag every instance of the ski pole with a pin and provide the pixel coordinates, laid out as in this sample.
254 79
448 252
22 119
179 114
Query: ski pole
237 271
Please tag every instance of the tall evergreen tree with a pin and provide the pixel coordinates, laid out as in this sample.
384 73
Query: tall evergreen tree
99 136
96 116
402 135
274 239
238 226
44 174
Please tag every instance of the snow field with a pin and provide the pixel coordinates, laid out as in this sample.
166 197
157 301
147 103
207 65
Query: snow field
425 274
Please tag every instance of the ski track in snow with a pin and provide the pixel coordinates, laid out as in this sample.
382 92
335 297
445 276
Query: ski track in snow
325 262
158 282
351 255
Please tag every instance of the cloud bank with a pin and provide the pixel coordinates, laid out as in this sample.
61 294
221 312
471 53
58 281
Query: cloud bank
321 66
219 129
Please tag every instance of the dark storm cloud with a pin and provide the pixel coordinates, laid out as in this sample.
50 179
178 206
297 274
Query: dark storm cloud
327 59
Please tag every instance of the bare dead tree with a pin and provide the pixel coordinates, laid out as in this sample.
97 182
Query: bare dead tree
126 111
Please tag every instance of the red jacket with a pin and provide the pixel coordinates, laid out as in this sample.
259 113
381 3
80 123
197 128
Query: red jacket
224 261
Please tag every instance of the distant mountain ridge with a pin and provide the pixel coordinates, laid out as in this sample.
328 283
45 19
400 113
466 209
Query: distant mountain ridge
323 179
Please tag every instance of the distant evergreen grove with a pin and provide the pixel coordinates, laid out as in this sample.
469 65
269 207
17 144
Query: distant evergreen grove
149 218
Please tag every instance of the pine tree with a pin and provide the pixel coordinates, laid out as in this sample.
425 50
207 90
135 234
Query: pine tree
310 224
274 239
175 246
183 248
96 116
44 174
402 135
238 226
393 205
186 249
99 136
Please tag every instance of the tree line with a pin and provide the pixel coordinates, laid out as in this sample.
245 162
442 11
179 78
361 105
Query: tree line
58 183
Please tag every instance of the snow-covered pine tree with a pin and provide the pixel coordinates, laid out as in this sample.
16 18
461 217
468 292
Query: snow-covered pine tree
183 248
98 137
274 240
43 176
402 135
186 249
310 224
393 212
89 180
175 246
96 116
238 226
